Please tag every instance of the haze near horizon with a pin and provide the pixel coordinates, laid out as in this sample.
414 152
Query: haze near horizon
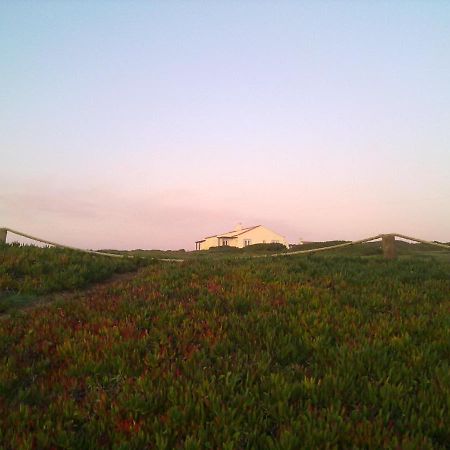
151 125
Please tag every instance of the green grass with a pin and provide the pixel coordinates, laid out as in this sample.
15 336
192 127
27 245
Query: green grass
371 249
404 249
13 302
297 352
29 271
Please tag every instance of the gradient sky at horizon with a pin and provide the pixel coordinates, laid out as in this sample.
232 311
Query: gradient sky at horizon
153 124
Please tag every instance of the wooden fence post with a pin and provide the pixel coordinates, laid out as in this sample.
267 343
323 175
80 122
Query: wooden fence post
389 249
3 232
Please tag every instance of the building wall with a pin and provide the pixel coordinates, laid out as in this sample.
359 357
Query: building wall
261 235
208 242
232 242
214 242
257 235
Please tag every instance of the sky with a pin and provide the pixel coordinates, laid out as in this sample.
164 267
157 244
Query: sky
153 124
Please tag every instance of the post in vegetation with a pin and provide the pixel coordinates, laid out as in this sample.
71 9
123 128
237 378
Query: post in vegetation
389 249
3 232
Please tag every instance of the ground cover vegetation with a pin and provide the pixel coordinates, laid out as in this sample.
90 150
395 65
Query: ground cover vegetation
26 272
404 249
213 252
291 352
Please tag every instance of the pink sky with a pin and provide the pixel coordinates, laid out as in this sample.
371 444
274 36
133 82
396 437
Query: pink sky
174 218
153 125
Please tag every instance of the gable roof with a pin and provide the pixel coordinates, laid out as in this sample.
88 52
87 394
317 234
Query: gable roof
234 233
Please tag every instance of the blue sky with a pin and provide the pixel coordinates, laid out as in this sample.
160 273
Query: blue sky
151 124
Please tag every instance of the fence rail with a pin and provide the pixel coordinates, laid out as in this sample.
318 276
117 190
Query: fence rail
421 241
331 247
4 231
388 243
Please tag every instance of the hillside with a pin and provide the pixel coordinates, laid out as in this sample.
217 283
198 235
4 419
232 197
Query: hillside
298 352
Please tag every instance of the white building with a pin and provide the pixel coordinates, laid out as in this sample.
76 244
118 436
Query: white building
241 237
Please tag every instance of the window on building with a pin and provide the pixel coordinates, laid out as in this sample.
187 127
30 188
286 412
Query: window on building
225 242
247 242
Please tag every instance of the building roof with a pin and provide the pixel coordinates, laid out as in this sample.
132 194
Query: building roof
234 233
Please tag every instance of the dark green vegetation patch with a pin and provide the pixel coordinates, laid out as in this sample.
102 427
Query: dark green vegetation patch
317 352
27 272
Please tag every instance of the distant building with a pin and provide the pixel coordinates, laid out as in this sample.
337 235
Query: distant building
241 237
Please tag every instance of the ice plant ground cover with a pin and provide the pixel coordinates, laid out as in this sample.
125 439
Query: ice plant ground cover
28 271
295 352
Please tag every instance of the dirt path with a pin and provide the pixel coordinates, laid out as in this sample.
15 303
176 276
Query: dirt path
45 300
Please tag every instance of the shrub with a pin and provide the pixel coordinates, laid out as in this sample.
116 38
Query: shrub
269 248
225 249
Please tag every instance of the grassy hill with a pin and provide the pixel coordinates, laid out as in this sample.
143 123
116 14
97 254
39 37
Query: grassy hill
26 272
297 352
